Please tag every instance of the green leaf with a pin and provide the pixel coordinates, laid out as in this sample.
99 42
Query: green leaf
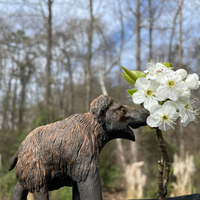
130 74
131 92
168 65
128 79
138 74
151 60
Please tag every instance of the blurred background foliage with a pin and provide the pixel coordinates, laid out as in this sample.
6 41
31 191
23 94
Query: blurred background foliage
57 56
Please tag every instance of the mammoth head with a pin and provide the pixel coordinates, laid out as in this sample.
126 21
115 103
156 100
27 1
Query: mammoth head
117 120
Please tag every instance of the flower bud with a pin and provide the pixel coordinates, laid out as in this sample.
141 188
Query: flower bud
182 72
192 81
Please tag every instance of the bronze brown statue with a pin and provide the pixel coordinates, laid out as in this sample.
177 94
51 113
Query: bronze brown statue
66 153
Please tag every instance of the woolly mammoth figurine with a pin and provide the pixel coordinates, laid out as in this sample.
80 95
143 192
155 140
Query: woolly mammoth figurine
66 153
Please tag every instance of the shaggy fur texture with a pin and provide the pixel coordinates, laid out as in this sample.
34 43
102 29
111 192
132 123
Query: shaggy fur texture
66 153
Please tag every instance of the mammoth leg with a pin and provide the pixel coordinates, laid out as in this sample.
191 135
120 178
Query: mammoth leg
41 195
75 192
90 189
19 193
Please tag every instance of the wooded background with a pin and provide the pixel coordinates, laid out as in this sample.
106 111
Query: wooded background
56 56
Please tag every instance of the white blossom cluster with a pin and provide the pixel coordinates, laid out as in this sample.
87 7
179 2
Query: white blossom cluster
166 95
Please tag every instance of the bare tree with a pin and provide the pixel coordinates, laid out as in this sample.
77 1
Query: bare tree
49 52
4 124
89 56
25 71
150 30
71 84
20 49
181 130
180 35
104 71
138 40
172 35
155 11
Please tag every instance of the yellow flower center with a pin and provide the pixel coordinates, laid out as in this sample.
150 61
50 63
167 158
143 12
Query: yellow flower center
171 83
187 106
165 117
149 92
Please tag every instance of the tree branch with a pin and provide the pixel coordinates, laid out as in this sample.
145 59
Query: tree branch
42 12
172 35
162 184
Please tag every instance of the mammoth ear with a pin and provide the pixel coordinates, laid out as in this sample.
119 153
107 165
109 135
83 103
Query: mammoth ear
99 106
99 114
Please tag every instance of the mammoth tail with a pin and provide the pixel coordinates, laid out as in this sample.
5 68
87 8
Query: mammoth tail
13 161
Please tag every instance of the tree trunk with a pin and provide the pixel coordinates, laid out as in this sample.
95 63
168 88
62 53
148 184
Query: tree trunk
181 130
134 147
138 35
120 154
22 95
0 162
14 100
180 36
48 56
102 83
163 167
172 35
6 104
150 31
71 84
1 65
89 56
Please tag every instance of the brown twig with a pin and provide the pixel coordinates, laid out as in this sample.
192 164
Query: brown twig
162 184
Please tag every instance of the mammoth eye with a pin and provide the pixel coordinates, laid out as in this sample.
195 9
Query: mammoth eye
123 111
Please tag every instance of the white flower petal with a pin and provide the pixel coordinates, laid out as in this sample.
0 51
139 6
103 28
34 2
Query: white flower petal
142 83
194 75
176 76
186 111
150 102
182 72
175 116
184 95
149 66
162 78
191 116
180 104
184 116
154 84
192 81
162 93
164 127
182 86
151 76
155 110
186 123
161 67
169 107
153 122
173 94
138 97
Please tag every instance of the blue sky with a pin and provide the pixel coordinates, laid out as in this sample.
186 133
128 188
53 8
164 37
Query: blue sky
107 11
